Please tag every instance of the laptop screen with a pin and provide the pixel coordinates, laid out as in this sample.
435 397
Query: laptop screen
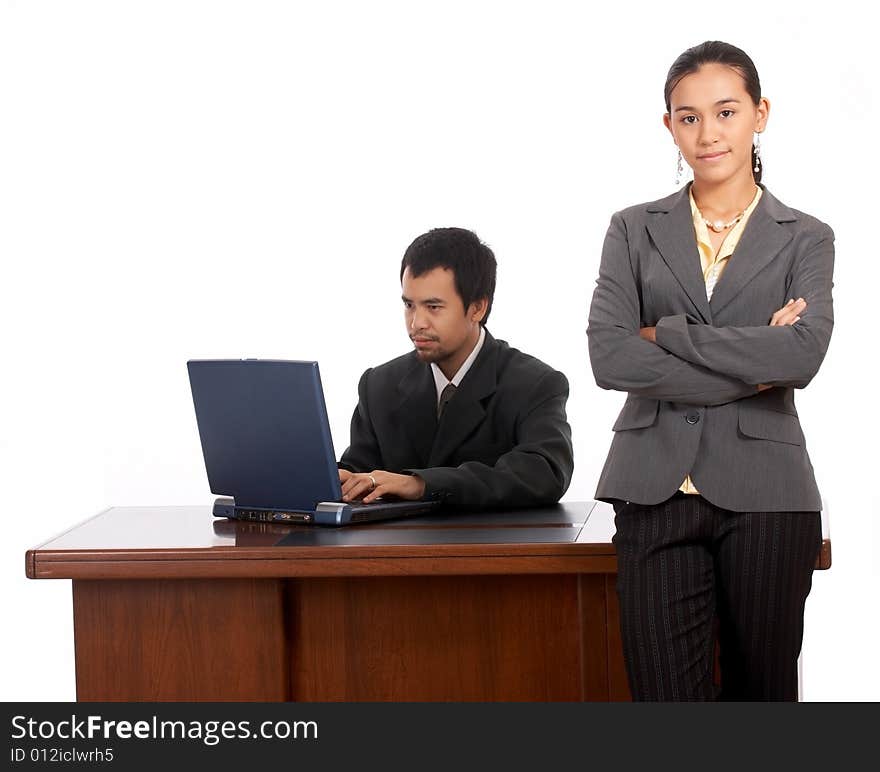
264 431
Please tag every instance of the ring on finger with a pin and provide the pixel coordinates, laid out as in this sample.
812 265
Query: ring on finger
372 482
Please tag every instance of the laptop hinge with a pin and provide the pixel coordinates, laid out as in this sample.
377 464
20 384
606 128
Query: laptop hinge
332 513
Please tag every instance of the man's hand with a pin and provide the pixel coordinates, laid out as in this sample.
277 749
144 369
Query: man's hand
369 486
649 333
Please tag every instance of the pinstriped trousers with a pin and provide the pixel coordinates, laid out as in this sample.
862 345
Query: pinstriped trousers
685 562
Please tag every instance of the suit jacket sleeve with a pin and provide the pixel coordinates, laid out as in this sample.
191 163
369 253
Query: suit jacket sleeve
535 472
621 359
787 355
363 454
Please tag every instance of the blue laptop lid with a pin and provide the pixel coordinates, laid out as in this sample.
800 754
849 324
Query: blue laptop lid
265 432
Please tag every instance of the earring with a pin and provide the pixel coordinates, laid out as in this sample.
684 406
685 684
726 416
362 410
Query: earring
679 170
757 146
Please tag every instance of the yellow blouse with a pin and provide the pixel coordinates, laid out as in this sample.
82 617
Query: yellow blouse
714 264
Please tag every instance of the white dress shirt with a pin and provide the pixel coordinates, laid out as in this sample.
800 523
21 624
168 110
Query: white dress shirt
441 381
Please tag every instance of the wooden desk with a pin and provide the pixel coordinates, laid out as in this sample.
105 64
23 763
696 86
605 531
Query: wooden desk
171 604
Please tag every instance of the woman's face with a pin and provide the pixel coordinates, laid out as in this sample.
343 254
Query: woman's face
712 120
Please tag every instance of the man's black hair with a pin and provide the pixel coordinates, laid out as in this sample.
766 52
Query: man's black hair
472 262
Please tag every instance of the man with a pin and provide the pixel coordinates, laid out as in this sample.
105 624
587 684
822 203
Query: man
464 417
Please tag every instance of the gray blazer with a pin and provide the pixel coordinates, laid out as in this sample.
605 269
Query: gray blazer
693 405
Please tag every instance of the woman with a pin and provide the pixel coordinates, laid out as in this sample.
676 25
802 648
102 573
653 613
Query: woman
711 307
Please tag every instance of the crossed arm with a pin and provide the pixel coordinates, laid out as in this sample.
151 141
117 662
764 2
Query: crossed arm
787 315
697 363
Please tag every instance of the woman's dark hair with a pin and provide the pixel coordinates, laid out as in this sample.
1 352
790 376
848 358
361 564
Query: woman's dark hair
472 263
717 52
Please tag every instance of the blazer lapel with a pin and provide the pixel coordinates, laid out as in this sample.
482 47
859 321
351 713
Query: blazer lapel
416 411
673 234
465 411
761 241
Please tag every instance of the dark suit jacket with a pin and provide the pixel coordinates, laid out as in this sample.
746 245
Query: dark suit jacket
693 405
503 439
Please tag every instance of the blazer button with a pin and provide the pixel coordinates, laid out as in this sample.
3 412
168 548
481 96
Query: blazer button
692 418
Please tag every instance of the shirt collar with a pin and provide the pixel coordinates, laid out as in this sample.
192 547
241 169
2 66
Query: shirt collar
441 381
702 230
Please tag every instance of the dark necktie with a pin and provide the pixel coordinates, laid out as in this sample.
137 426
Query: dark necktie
445 396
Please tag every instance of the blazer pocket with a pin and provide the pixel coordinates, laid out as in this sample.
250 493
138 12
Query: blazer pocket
637 413
770 425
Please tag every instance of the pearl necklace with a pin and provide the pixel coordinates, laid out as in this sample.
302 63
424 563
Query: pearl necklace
718 225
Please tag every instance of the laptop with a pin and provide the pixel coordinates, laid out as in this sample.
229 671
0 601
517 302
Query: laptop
268 449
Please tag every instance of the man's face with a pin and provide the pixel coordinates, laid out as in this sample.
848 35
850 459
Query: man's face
440 327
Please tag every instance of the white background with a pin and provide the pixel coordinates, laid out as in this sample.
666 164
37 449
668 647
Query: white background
185 180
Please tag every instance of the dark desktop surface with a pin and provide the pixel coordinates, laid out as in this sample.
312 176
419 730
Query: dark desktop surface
132 534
